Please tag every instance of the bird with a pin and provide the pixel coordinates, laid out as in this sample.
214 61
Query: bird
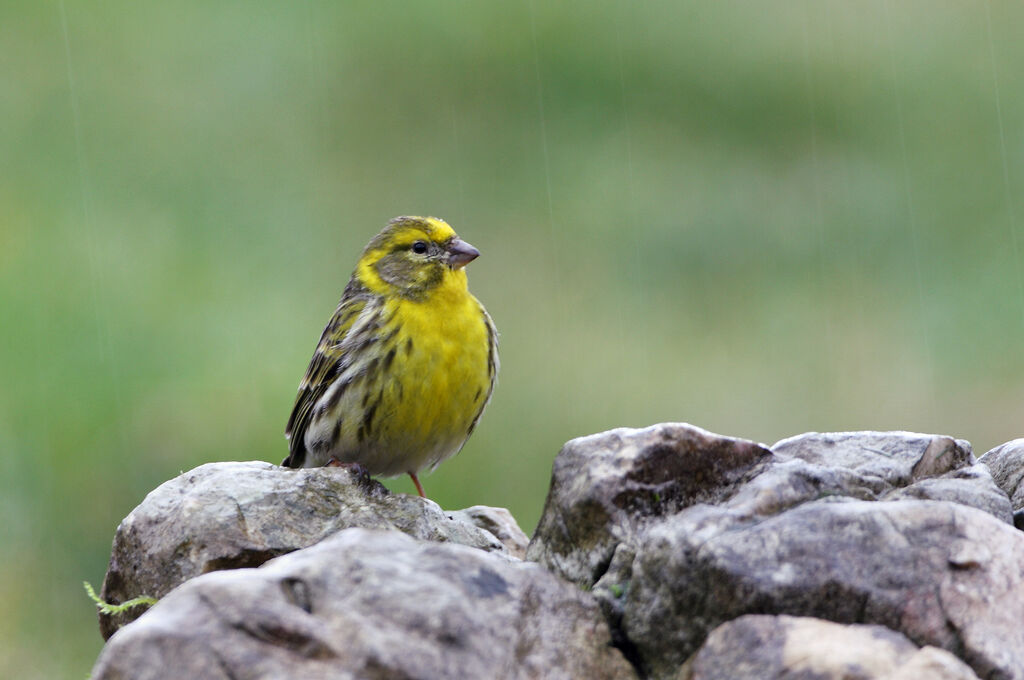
405 366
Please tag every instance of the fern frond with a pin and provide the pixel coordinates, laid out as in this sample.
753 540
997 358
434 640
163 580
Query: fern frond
109 609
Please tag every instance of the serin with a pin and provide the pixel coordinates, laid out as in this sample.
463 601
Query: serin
406 365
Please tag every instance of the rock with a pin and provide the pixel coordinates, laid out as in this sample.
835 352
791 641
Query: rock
972 486
608 488
897 458
1007 465
886 466
624 500
778 647
370 604
231 515
605 488
500 523
941 573
893 548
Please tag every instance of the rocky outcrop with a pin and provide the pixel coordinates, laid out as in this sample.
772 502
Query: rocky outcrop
784 647
231 515
609 487
929 570
896 465
897 529
371 604
1007 465
498 522
667 552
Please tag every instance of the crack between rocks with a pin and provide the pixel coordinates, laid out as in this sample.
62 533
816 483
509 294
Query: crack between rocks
628 649
620 640
605 564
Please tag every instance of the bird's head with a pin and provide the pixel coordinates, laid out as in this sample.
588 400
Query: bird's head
412 256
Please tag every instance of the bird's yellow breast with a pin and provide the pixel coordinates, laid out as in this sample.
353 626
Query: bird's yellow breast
434 388
444 344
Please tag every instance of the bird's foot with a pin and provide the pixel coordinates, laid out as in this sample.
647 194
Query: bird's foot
361 474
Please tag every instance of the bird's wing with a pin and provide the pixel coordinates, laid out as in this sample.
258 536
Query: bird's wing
323 368
492 366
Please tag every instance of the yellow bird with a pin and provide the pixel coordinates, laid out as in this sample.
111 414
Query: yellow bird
406 365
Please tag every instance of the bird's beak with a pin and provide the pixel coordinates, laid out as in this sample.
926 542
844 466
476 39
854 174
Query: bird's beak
461 253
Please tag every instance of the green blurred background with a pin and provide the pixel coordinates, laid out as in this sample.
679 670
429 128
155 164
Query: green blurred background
759 217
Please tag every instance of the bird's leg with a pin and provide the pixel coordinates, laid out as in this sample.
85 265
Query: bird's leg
418 486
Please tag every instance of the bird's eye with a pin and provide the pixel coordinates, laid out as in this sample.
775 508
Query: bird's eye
419 247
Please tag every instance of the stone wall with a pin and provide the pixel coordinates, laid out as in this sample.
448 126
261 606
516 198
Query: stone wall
666 552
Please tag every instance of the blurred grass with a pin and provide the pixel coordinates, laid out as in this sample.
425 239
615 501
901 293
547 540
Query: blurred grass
762 218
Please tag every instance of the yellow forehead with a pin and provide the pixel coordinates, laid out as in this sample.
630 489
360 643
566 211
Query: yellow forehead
408 229
439 230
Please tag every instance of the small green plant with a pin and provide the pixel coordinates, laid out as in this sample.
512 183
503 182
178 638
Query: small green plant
109 609
616 590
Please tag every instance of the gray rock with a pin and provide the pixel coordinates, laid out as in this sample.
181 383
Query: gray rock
1007 465
896 458
605 488
785 647
941 573
231 515
871 466
614 494
788 482
677 532
972 486
369 604
500 523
